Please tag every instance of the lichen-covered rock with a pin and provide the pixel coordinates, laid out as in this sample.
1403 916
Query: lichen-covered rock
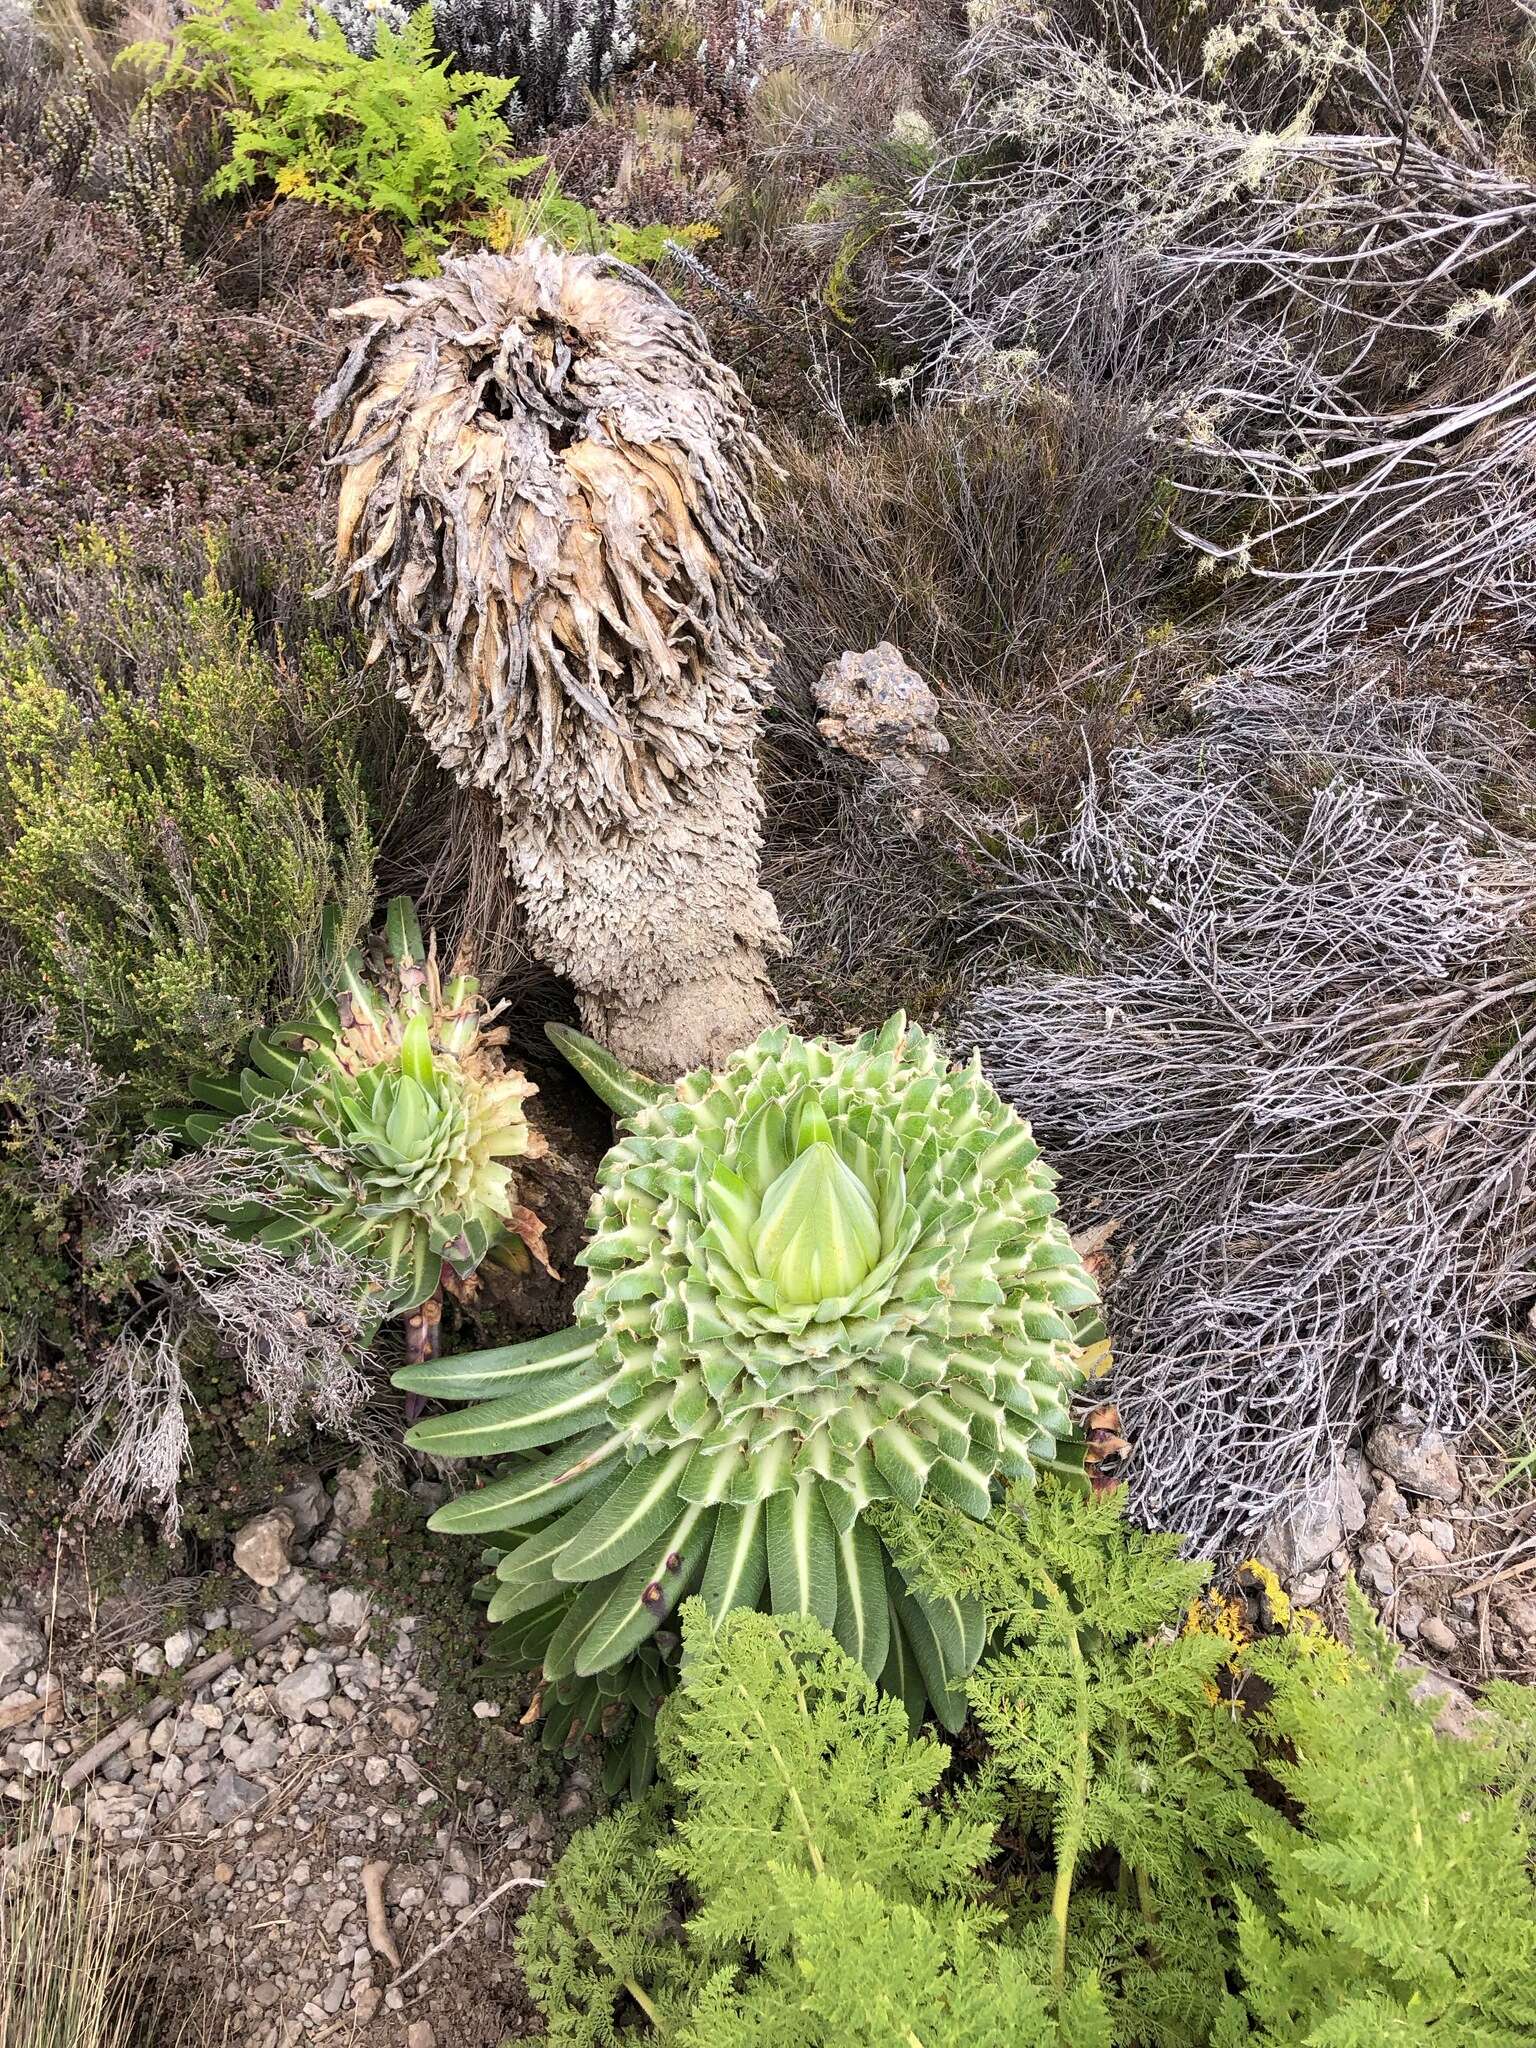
546 516
877 708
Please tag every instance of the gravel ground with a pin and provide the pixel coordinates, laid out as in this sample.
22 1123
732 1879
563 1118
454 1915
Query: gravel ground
274 1794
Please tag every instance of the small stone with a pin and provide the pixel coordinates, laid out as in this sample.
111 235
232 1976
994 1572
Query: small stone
1377 1567
376 1770
1443 1536
1458 1716
232 1796
334 1992
302 1690
223 1873
1422 1554
17 1708
455 1891
307 1502
401 1722
206 1715
419 2034
261 1548
1418 1459
150 1661
179 1649
325 1550
22 1648
346 1611
111 1678
1434 1634
486 1710
336 1917
356 1486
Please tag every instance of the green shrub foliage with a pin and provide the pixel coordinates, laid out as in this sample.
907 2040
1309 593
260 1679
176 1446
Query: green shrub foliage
395 134
1130 1857
819 1278
178 817
400 135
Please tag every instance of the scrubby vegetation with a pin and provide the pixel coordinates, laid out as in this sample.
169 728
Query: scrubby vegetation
726 523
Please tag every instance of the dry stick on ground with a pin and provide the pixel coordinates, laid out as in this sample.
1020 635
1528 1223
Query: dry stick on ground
201 1674
380 1939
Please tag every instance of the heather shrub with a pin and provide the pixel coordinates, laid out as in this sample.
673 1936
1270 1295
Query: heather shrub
178 813
133 397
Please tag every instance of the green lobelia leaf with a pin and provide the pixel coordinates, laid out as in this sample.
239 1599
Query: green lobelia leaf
862 1625
642 1597
802 1554
737 1569
640 1509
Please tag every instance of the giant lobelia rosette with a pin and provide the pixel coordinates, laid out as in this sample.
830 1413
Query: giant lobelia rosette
819 1278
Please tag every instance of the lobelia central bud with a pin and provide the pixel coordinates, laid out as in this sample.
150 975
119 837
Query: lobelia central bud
817 1233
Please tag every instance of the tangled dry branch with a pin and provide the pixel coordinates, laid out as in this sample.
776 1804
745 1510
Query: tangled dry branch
1326 326
296 1327
1293 1057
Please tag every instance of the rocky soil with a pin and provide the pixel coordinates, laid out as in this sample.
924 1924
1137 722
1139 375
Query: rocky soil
322 1881
328 1874
1445 1555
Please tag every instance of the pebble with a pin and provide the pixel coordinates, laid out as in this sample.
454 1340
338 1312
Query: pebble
419 2034
1434 1634
262 1547
303 1691
179 1648
1418 1459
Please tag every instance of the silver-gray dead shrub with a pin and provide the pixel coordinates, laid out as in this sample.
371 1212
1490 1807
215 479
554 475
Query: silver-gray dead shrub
1285 1042
169 1281
1325 323
294 1325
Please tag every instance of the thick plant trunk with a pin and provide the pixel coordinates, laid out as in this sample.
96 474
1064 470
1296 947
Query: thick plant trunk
661 924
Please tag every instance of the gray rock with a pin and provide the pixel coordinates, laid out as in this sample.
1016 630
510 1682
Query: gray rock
1314 1528
356 1486
455 1892
299 1691
261 1548
1459 1716
1434 1634
307 1501
1419 1460
346 1611
1376 1564
179 1648
877 708
419 2034
22 1648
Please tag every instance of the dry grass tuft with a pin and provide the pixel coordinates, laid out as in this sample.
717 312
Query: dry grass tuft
77 1944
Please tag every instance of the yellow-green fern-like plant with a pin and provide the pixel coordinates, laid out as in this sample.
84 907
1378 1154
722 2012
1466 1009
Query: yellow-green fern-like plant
821 1277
